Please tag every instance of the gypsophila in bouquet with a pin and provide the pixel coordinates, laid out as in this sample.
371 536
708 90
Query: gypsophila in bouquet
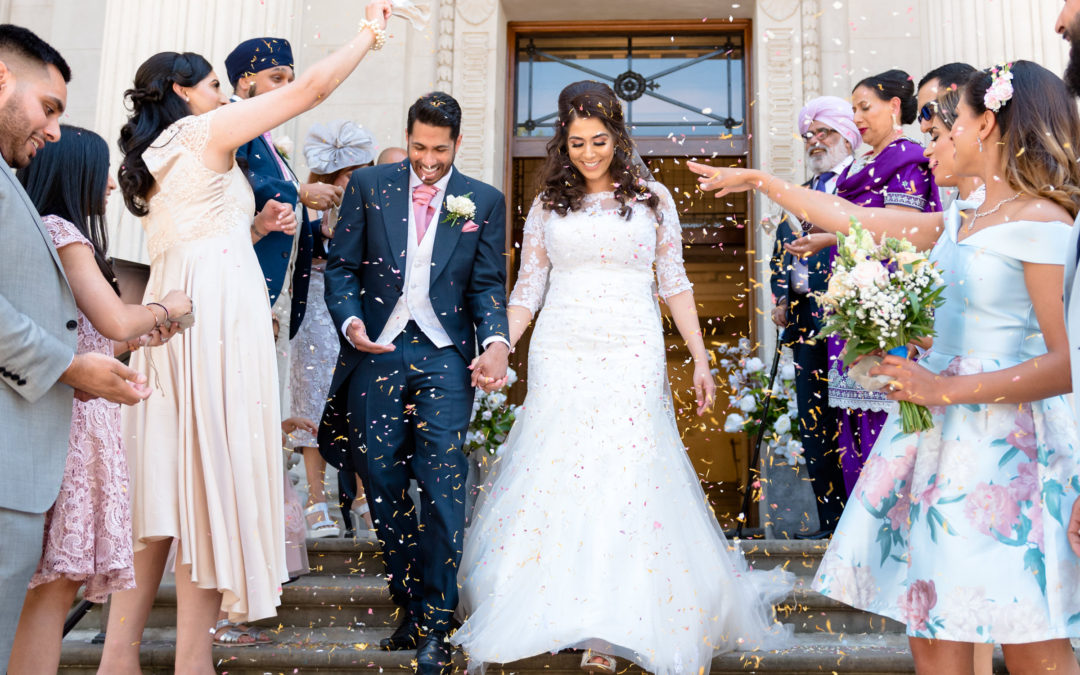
748 388
492 418
880 298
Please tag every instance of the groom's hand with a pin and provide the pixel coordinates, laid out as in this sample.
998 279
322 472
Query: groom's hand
358 336
489 369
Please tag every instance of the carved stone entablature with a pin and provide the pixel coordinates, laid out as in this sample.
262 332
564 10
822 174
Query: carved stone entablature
779 10
475 12
444 37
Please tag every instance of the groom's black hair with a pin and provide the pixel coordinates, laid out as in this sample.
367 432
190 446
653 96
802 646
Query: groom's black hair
437 109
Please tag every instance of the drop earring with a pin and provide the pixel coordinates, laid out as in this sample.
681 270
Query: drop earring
980 145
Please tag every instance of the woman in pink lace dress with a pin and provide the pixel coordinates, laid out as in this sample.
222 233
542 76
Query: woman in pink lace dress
88 530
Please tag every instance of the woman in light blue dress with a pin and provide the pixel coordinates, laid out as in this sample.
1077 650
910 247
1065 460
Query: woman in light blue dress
959 531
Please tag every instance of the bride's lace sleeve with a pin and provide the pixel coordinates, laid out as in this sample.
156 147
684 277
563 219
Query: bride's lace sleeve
533 272
670 269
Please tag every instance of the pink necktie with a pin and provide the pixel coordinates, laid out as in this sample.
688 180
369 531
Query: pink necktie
421 198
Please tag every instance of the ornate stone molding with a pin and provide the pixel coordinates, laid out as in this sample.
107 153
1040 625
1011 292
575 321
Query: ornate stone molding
476 12
444 58
779 10
811 48
472 94
781 102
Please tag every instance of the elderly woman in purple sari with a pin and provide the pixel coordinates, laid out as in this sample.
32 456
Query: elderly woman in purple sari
894 174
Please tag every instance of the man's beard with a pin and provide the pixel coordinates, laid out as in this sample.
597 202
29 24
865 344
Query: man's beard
833 156
1072 71
14 132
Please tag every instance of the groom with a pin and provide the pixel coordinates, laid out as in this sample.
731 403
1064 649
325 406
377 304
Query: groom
416 276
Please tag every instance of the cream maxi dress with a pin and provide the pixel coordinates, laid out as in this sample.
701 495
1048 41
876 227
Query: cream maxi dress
205 449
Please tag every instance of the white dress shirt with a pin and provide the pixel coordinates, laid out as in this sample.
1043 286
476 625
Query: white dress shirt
415 301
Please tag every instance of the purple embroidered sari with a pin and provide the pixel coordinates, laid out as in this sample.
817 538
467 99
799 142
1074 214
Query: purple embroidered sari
898 176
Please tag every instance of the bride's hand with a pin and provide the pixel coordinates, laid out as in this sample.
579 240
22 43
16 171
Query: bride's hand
804 247
728 179
704 387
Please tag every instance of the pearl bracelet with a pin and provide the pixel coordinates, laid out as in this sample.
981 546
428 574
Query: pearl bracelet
379 33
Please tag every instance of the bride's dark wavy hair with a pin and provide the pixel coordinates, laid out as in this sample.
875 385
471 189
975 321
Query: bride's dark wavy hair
561 185
154 106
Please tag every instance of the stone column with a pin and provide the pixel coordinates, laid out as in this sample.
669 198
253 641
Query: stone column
479 66
985 33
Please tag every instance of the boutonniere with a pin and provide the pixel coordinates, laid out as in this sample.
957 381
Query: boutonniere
458 208
284 146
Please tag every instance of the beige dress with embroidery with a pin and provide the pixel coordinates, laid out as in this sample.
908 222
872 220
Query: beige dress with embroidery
205 449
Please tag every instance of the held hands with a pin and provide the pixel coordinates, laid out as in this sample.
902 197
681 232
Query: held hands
294 424
704 387
359 339
489 369
808 245
378 11
275 217
726 180
321 196
178 303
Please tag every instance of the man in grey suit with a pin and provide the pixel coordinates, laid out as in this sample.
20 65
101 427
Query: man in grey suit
38 365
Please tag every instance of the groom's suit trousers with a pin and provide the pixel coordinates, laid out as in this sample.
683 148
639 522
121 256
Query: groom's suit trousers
415 403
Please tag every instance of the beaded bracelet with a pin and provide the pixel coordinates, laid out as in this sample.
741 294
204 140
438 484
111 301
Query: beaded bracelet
379 33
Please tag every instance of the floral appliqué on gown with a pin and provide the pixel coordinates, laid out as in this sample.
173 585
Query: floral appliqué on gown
88 529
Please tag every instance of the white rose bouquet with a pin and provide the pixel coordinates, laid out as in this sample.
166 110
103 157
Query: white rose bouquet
748 388
491 420
880 297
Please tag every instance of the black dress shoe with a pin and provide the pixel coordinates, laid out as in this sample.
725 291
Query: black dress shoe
820 534
435 655
405 637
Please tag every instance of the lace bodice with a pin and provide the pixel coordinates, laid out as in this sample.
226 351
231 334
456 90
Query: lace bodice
597 240
193 201
64 234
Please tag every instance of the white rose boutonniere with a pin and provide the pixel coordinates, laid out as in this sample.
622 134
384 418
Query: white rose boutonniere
459 208
284 146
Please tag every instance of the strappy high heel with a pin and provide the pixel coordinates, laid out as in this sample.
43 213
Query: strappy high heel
589 664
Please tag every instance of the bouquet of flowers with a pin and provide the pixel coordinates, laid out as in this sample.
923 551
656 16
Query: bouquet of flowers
749 388
880 297
491 419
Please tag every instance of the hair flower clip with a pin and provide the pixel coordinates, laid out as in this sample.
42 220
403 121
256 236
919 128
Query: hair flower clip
1001 89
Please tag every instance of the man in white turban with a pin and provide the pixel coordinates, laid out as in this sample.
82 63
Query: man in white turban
831 137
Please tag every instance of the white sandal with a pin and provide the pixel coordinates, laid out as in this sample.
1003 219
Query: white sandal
324 528
362 530
607 664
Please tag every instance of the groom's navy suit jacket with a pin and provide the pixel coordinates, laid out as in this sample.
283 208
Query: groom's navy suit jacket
365 274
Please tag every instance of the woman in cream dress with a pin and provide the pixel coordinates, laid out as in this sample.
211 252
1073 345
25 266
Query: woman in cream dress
205 455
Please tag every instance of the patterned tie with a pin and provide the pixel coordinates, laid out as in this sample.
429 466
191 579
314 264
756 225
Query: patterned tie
421 199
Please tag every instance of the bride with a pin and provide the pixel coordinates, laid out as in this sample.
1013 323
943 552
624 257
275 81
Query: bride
595 533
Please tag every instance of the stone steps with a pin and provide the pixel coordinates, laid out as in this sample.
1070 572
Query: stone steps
330 619
338 651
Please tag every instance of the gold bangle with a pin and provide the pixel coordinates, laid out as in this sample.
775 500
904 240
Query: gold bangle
378 33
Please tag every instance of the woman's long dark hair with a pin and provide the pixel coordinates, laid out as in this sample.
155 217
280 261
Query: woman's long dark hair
562 187
154 106
69 179
1039 127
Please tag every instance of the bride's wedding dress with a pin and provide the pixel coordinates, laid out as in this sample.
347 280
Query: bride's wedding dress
595 532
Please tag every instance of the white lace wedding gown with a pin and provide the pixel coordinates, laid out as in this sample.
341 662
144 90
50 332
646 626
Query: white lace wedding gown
595 531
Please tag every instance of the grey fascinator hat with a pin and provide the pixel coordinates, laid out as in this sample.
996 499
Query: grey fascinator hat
338 145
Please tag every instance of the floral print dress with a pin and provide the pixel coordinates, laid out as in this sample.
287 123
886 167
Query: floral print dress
960 531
